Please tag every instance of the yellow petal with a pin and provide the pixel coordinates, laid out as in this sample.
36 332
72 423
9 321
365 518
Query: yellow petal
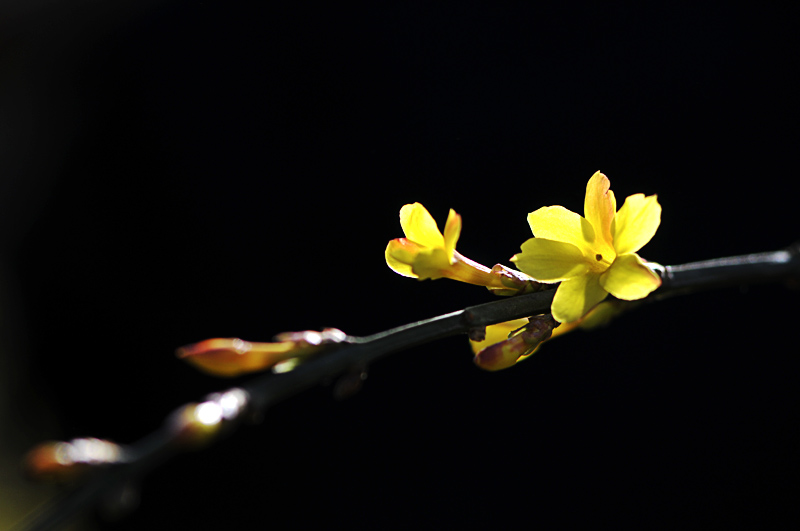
599 207
636 223
562 225
497 333
419 226
430 263
502 355
507 352
452 230
576 296
400 254
550 261
629 279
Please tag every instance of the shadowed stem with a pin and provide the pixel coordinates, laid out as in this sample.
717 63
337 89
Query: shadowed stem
352 357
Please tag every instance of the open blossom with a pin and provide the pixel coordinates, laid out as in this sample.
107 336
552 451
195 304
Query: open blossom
426 253
594 255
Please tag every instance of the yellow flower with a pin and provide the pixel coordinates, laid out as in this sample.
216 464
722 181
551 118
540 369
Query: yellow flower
595 255
427 253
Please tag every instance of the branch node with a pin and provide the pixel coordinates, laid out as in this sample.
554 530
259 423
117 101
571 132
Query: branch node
477 333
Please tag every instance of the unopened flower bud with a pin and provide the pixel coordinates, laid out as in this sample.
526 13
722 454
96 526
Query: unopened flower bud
513 282
196 424
520 344
229 357
64 461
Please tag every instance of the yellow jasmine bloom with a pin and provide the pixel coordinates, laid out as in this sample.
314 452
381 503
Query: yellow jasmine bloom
594 255
427 253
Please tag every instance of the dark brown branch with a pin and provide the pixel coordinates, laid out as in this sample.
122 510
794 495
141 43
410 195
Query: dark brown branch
356 353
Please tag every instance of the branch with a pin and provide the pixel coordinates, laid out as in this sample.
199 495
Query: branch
734 270
195 424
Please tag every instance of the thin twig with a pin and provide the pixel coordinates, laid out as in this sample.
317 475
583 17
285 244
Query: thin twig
253 398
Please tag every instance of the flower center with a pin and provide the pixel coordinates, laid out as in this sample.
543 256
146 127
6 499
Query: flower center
601 264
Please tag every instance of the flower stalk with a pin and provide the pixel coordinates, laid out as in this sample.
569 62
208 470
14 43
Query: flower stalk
426 253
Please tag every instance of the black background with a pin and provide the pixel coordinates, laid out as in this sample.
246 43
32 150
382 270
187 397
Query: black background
184 170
